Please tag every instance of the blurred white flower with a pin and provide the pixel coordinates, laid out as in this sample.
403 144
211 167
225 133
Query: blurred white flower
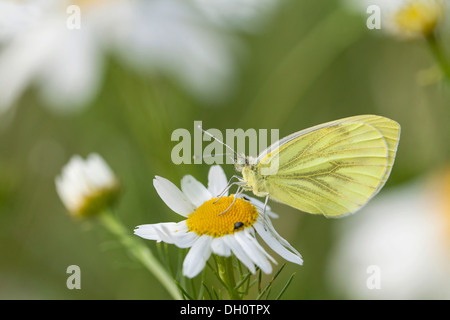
86 187
17 16
247 15
64 64
209 229
174 37
406 18
405 234
171 37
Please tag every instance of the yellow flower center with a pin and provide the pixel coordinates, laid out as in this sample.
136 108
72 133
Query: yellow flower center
419 17
207 219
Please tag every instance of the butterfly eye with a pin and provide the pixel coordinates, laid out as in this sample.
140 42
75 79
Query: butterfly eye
238 225
240 162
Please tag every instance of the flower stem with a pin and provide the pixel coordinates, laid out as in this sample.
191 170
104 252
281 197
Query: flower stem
439 55
226 273
140 252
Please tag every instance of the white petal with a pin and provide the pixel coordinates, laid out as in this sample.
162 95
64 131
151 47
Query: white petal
250 234
234 245
182 237
64 193
98 172
17 17
277 243
271 214
171 38
197 256
219 247
249 15
73 184
70 86
260 205
22 59
217 181
254 252
173 197
157 231
173 233
195 191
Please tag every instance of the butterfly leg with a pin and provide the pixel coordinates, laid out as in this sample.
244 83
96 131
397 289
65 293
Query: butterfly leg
264 211
238 192
228 186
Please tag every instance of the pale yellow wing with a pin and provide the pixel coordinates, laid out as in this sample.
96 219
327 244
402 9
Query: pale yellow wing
333 168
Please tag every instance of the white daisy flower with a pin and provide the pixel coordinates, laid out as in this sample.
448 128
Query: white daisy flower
403 239
247 15
87 187
65 65
207 231
407 18
16 17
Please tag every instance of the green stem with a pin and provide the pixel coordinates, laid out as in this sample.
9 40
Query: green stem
439 55
140 252
226 273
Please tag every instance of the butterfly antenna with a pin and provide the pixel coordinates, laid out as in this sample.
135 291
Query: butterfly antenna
209 134
212 155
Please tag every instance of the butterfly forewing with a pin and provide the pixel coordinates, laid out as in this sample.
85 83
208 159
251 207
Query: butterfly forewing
391 133
331 169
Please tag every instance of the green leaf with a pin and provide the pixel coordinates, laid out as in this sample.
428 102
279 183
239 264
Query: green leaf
207 291
269 285
243 280
183 291
285 286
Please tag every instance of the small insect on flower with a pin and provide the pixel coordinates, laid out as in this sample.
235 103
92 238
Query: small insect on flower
205 230
238 225
86 187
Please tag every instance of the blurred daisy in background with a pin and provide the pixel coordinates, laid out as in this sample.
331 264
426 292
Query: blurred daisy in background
247 15
90 188
17 16
209 229
87 187
173 37
405 235
406 18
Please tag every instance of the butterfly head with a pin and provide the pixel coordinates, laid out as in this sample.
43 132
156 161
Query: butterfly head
241 162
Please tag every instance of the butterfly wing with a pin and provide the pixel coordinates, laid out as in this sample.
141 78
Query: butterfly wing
333 168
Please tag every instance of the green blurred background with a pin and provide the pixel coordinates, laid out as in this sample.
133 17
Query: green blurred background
313 63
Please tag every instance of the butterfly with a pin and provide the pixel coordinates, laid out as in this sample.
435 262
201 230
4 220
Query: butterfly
332 169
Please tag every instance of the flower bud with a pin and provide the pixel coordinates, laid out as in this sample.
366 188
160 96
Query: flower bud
87 187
